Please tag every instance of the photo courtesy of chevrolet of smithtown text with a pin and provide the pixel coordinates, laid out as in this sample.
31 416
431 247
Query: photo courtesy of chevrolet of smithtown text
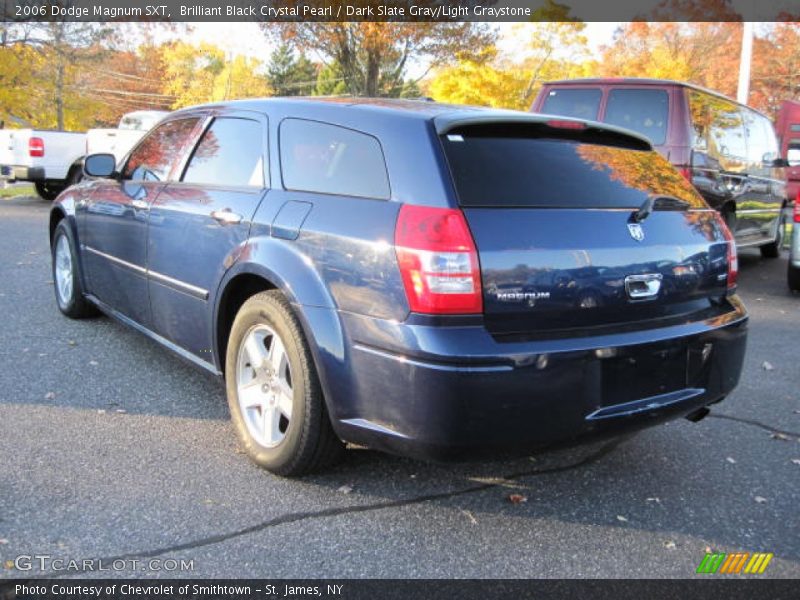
399 299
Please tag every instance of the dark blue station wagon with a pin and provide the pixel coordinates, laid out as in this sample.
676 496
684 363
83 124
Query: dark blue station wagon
429 280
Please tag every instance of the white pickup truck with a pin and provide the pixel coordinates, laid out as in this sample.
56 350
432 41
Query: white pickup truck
52 160
120 141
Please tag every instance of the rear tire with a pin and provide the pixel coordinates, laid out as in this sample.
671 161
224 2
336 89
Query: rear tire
67 277
793 278
48 191
269 372
773 249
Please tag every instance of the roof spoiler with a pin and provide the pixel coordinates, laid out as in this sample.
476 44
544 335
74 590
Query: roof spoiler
449 122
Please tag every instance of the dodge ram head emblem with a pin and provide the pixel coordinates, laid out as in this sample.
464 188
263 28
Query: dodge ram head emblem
636 231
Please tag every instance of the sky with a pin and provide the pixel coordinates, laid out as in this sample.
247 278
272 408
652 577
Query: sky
247 39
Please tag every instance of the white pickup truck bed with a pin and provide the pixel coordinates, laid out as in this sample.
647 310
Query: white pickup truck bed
50 159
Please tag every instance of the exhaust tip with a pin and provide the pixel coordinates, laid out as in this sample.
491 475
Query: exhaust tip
698 415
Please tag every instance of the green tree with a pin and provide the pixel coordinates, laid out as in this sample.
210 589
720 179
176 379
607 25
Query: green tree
330 81
289 75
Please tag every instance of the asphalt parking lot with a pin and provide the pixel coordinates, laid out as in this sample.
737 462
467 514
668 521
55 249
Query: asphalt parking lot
112 447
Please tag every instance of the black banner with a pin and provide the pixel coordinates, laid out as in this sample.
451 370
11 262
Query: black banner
399 10
385 589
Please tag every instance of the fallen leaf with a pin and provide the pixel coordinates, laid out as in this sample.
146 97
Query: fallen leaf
622 519
780 436
767 366
471 518
517 498
345 489
760 499
670 544
50 396
731 460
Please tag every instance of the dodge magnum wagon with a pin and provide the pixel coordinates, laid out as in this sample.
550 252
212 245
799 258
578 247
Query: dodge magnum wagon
430 280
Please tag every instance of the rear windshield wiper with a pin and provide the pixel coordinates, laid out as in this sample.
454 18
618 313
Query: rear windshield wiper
658 202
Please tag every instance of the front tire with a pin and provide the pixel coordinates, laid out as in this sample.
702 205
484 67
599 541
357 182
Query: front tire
67 277
773 249
274 394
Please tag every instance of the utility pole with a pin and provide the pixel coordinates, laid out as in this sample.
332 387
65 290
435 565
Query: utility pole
743 92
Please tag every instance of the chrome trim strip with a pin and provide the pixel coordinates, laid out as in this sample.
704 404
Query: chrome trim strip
431 365
185 354
180 285
177 284
114 259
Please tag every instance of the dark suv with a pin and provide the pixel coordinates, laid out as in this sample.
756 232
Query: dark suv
727 150
424 279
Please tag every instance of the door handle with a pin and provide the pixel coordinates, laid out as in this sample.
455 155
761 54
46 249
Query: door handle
140 204
226 217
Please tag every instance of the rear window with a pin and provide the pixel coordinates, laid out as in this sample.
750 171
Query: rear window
318 157
491 170
643 111
581 103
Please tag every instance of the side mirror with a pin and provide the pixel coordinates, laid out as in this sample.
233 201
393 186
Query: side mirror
780 163
100 165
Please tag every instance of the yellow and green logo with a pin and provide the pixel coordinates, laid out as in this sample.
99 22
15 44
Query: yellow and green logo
738 562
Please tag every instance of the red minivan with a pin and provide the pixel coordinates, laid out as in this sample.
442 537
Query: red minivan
727 150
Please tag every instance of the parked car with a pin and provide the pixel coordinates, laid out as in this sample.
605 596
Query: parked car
52 160
793 275
376 271
118 142
787 127
727 150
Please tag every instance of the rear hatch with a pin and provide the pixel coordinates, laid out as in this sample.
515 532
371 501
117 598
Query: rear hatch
581 228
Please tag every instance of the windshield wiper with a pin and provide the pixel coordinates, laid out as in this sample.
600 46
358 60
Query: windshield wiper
658 202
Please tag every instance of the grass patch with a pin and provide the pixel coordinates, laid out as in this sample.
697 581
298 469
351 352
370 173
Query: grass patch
17 190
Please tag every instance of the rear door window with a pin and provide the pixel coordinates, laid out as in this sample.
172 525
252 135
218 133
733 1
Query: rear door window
509 169
230 153
324 158
154 158
643 110
581 103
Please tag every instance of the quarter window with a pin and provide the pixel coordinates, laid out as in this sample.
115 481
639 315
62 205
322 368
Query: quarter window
318 157
154 157
761 143
230 154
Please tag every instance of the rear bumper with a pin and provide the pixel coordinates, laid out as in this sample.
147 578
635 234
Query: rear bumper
18 173
448 392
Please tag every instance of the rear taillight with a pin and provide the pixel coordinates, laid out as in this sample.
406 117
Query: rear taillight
687 173
733 256
797 208
438 261
36 147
